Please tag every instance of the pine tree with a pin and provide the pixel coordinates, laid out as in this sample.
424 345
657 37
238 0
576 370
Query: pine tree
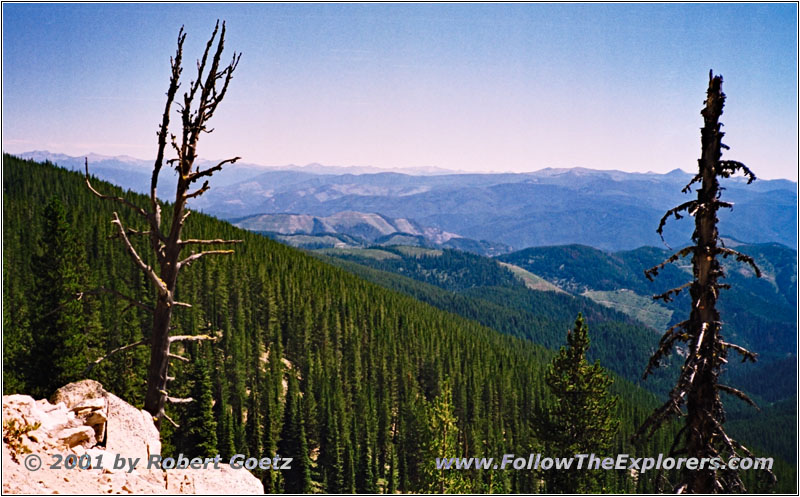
59 329
331 456
582 419
17 338
444 443
198 434
293 442
349 460
365 475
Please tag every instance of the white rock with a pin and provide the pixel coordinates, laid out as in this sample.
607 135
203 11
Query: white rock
131 433
74 436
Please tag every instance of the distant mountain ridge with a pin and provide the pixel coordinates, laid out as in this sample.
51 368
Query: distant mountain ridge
610 210
359 229
605 209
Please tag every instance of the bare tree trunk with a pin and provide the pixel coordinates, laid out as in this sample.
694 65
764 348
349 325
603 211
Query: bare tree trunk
159 360
199 104
703 402
698 386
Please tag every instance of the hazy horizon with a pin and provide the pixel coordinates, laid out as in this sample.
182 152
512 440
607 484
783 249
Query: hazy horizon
412 171
462 87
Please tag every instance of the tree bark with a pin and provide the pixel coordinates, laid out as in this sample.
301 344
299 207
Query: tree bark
703 399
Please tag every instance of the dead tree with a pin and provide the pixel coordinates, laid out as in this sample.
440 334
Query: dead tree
199 103
698 387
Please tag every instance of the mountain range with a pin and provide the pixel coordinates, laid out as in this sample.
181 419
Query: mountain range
609 210
359 229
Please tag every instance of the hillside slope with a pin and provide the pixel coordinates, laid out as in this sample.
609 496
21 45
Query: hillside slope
626 324
760 313
369 363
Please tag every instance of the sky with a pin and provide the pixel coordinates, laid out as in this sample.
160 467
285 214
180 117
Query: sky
472 87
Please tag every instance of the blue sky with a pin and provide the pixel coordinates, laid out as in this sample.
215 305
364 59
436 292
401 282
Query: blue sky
476 87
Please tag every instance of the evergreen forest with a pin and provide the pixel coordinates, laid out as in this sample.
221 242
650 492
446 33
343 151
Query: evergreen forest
362 376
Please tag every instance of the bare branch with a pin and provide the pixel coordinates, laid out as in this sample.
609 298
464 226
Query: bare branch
121 200
697 179
653 271
173 423
746 354
216 241
201 64
185 215
198 255
740 257
728 167
179 357
115 351
131 231
665 346
738 393
180 304
163 130
191 338
689 206
668 295
192 177
158 282
178 400
177 149
654 421
197 192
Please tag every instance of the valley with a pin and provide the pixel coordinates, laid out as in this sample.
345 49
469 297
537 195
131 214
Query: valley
422 299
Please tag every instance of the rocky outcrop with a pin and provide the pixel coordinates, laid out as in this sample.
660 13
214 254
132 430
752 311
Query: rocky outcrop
85 420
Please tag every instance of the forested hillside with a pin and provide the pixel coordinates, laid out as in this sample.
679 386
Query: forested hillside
359 384
604 286
759 312
478 288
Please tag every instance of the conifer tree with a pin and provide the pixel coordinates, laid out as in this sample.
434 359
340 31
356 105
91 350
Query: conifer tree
331 456
59 331
582 419
444 443
309 400
17 338
365 474
268 446
349 462
293 442
198 434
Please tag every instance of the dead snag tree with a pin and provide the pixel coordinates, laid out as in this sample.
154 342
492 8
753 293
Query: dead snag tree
199 103
698 386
